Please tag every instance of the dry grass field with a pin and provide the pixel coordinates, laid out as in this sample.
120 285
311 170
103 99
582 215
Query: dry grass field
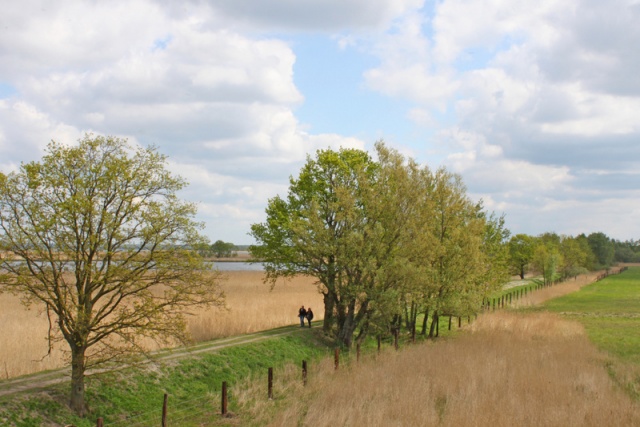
511 370
251 306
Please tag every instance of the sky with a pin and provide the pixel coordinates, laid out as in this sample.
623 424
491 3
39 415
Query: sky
535 104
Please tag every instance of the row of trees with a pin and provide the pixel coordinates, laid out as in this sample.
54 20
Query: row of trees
386 240
557 257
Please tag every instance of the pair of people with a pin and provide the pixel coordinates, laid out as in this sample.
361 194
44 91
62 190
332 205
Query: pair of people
305 313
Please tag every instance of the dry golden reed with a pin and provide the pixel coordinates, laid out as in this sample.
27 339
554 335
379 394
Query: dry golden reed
251 307
511 370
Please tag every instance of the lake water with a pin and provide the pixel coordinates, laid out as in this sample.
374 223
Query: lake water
223 266
238 266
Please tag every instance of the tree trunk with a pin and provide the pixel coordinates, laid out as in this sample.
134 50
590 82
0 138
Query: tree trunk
76 401
424 322
414 317
328 313
522 272
434 323
346 330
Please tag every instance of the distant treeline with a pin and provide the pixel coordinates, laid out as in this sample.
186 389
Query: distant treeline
559 256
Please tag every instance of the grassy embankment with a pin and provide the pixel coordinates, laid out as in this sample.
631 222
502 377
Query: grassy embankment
133 397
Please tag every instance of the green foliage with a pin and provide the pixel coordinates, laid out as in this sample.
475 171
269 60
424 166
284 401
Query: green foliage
603 249
97 234
521 247
382 238
627 251
547 259
222 249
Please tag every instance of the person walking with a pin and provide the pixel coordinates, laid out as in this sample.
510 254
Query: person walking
309 316
302 314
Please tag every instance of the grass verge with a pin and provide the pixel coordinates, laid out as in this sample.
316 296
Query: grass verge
134 397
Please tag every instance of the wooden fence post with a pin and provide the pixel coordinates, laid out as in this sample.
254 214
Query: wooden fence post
270 383
379 343
164 410
358 352
224 401
450 321
99 422
459 322
395 339
336 358
304 372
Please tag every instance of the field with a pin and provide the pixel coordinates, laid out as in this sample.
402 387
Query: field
251 306
521 366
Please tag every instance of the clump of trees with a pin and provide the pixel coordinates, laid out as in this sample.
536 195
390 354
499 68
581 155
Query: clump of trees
559 256
387 239
218 249
96 234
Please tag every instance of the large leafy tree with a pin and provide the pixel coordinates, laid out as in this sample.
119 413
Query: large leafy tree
576 256
316 229
222 249
97 234
521 247
547 258
603 249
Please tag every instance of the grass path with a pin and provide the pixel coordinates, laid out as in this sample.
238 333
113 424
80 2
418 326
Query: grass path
33 382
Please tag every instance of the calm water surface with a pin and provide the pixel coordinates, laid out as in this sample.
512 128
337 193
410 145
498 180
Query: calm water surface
238 266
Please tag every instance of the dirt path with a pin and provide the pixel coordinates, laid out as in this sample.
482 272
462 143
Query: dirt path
42 380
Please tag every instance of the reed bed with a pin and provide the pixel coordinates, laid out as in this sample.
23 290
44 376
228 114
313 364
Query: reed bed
512 369
250 306
254 306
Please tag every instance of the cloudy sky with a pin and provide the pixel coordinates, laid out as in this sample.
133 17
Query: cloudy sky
535 104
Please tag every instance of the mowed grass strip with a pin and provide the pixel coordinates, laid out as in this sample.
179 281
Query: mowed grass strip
610 312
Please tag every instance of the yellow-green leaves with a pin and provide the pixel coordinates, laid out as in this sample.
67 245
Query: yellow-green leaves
97 233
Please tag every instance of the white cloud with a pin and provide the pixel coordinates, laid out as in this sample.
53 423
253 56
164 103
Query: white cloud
315 15
534 103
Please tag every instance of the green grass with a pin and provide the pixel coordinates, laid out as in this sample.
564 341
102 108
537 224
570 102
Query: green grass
134 397
610 311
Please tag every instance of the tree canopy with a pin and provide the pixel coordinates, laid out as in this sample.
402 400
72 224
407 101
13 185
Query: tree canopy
97 234
381 236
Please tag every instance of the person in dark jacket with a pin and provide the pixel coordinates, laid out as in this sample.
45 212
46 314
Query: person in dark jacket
302 314
309 316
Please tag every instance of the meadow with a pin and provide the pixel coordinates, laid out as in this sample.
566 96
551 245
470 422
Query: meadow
251 306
